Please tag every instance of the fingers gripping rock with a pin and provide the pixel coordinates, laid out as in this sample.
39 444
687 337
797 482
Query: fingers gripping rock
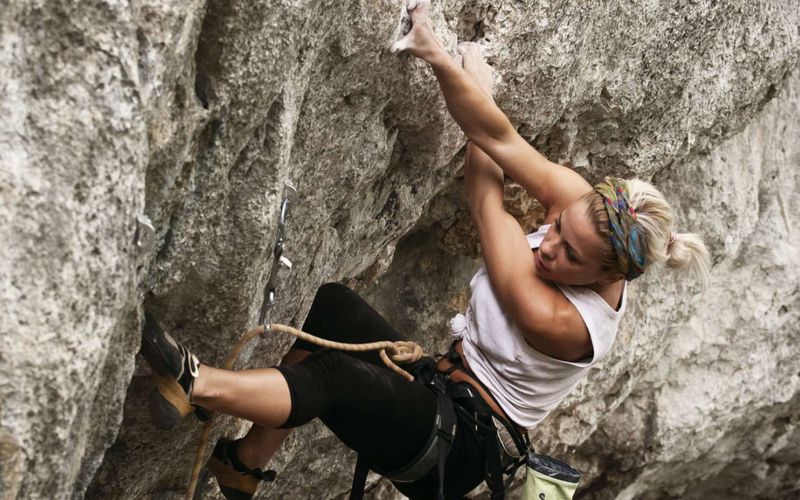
417 9
399 45
418 13
469 47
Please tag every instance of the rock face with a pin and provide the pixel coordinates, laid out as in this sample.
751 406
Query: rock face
73 155
195 114
717 398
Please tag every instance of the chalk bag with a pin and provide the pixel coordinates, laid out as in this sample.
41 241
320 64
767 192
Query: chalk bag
549 479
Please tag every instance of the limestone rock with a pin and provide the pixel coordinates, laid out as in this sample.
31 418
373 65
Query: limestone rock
73 153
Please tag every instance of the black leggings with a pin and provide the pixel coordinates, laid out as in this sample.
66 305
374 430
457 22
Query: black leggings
373 410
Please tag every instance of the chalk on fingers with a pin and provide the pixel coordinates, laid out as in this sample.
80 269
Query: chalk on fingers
399 46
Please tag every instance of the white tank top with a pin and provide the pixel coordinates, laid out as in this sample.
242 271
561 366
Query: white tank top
526 383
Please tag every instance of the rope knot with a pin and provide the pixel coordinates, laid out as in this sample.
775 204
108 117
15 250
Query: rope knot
405 352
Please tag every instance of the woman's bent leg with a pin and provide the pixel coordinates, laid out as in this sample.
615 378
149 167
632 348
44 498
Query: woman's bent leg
371 409
337 313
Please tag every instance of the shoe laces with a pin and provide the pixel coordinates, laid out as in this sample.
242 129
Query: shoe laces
190 366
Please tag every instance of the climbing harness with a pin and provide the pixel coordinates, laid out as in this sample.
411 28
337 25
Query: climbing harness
495 433
507 448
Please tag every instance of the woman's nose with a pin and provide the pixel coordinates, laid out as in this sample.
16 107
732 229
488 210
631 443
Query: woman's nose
545 251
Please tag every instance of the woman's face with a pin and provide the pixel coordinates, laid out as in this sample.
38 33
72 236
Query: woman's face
569 253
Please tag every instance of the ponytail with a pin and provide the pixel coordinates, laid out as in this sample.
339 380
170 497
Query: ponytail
687 252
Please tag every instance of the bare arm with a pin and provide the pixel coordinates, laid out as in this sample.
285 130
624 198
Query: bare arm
473 110
483 180
485 124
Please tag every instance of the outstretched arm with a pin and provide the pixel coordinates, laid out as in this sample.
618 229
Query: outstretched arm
485 124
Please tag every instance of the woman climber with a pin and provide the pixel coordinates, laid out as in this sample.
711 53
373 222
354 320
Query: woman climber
544 309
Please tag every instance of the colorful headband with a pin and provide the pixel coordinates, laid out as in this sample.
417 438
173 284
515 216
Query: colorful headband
627 236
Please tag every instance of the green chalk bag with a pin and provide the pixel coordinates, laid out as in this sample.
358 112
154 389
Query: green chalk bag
549 479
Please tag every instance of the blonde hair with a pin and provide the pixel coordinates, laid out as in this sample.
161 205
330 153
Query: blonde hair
686 251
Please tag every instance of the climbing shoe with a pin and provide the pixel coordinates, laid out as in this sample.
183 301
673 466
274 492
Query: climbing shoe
236 481
174 370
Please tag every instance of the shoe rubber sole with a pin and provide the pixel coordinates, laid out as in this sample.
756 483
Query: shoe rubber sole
159 349
232 484
168 403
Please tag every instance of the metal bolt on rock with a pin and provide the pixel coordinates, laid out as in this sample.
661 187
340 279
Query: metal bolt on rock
278 258
145 238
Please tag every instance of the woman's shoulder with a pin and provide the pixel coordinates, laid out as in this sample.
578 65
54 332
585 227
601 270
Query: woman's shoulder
565 336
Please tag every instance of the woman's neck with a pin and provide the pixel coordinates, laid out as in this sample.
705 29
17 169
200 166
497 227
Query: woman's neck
602 287
608 292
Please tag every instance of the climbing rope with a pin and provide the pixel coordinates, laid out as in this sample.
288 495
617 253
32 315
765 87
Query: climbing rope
390 352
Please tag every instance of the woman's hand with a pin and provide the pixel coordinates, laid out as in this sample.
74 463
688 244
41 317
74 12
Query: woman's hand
421 41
